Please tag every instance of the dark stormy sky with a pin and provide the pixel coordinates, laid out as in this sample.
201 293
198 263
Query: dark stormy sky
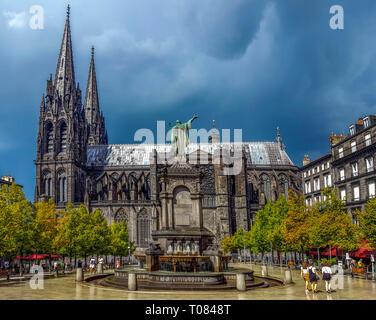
248 64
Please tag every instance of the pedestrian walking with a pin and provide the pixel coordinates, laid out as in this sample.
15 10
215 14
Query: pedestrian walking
304 273
327 276
79 264
93 264
313 277
117 263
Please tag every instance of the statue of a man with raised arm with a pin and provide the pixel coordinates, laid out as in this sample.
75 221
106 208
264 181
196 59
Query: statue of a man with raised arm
179 136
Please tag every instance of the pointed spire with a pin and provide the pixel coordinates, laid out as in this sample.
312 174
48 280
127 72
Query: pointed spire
64 77
91 97
93 114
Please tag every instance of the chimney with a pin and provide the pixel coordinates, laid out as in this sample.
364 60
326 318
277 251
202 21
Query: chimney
306 160
335 138
360 121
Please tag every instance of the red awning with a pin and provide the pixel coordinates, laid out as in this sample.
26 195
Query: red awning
39 256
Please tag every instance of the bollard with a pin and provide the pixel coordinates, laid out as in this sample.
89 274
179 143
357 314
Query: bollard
132 282
79 275
288 276
240 282
100 268
264 271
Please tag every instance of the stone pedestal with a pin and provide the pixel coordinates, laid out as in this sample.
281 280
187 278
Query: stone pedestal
132 281
288 276
79 275
264 271
215 256
240 282
152 257
100 268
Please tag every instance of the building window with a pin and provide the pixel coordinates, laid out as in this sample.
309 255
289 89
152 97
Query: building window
304 174
285 184
327 165
366 122
47 184
266 183
371 189
316 184
62 187
143 230
354 168
341 174
369 164
308 187
317 199
343 194
352 130
63 137
309 173
327 180
353 146
313 171
355 217
356 195
367 139
323 167
340 152
50 137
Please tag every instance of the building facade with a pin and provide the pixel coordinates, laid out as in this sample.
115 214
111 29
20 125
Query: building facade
132 183
350 167
316 176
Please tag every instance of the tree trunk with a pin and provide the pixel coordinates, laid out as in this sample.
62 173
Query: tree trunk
318 255
337 255
21 269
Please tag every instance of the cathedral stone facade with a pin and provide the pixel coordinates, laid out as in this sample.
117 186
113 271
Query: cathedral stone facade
75 163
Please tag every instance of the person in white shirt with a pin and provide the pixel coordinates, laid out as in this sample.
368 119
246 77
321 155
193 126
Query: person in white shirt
305 275
327 276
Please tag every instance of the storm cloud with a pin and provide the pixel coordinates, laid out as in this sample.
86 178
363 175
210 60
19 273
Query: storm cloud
248 64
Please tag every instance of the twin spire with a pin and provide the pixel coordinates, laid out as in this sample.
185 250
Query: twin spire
65 83
64 77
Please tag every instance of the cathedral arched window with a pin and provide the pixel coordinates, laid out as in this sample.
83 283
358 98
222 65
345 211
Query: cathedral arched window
143 229
49 138
63 137
266 184
62 186
285 184
47 184
121 216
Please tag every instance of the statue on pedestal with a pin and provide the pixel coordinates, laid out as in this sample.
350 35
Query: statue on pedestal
179 137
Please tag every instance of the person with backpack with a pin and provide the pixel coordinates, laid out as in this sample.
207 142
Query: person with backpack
313 277
327 276
304 273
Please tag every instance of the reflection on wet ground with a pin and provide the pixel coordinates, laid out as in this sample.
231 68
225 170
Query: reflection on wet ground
65 288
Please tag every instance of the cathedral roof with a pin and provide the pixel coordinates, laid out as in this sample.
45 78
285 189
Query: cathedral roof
257 153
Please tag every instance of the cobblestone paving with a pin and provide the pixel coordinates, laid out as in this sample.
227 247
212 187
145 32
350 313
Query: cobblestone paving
67 288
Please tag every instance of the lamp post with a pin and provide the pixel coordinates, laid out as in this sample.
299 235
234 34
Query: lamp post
129 254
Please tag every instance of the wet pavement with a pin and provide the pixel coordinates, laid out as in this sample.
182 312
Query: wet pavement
65 288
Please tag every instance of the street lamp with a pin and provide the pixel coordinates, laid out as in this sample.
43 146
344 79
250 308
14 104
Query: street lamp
129 254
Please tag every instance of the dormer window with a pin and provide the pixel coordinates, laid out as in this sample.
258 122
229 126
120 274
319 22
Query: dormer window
366 122
352 130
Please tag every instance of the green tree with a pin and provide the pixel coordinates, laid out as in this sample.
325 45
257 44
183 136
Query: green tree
367 221
45 228
120 240
16 221
331 225
84 233
227 245
297 225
